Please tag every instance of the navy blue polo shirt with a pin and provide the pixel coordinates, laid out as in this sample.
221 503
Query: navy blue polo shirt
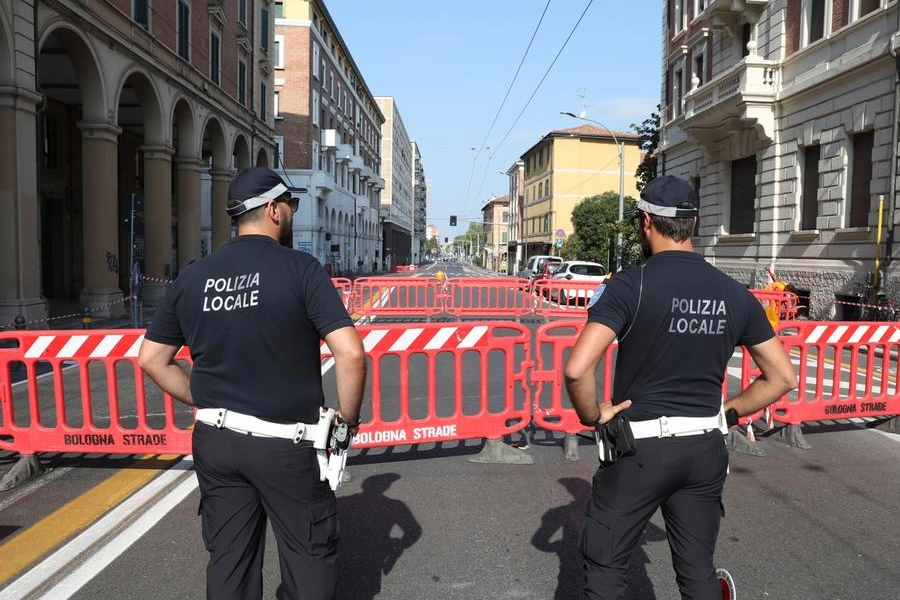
253 314
678 320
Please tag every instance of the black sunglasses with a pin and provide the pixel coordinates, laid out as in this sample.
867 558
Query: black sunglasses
293 203
636 220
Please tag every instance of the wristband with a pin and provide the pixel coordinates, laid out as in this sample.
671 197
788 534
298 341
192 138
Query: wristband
352 425
731 417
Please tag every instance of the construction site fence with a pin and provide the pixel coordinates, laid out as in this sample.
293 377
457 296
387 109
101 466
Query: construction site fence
83 391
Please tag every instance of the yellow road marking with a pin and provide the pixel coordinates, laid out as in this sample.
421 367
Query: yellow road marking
29 546
368 302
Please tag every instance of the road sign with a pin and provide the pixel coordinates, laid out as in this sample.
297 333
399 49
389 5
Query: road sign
559 242
560 233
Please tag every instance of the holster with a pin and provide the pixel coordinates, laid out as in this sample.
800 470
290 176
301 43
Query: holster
339 441
331 444
614 440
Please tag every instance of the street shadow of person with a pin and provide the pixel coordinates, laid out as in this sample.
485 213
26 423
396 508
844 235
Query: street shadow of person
370 546
559 533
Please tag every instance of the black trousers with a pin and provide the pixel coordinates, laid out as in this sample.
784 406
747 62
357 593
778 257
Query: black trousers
245 480
682 475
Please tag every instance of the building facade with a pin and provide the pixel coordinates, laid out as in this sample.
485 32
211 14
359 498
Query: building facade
398 194
495 221
562 169
123 122
783 115
328 138
515 249
420 205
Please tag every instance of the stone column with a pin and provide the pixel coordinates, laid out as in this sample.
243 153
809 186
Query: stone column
20 225
221 222
99 146
189 203
157 223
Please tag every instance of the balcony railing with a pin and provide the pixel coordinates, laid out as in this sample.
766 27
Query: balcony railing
739 98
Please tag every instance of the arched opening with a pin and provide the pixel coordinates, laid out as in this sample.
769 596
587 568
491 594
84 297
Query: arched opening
69 79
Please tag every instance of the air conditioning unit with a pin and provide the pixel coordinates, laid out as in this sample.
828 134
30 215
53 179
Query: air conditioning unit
330 139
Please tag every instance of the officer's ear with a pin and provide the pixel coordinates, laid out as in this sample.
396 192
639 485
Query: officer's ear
273 212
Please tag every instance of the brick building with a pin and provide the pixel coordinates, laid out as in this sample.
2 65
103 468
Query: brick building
328 138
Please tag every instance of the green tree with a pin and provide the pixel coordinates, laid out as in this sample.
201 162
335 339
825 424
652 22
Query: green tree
649 135
572 249
472 241
432 246
631 239
594 220
596 224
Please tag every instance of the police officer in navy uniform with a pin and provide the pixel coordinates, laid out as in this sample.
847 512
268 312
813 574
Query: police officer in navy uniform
678 321
253 315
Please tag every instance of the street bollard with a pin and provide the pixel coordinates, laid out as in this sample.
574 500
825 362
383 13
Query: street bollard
20 322
85 318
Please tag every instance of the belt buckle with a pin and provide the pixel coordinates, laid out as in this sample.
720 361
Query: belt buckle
664 427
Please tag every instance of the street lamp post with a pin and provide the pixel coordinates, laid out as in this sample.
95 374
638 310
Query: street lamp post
621 156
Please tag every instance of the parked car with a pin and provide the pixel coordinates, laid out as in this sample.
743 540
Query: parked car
578 270
536 267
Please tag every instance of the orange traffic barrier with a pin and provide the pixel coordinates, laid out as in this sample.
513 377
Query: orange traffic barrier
552 407
563 298
397 297
780 305
84 392
344 286
846 370
405 269
487 297
421 378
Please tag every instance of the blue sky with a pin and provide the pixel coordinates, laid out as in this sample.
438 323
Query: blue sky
449 65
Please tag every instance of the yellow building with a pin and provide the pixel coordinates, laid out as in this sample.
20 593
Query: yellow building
562 169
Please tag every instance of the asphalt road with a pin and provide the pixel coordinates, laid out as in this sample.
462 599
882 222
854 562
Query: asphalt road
425 522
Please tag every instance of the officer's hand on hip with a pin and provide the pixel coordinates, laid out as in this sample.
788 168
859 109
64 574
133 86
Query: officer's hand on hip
606 410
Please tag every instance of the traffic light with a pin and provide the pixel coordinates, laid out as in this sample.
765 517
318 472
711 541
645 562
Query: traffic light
445 239
452 220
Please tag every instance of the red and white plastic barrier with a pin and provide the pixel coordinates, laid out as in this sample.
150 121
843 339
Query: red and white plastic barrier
83 391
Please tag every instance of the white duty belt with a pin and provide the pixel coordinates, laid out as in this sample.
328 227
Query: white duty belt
677 426
241 423
331 464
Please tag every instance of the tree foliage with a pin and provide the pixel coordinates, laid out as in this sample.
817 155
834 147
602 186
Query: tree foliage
572 248
594 220
596 224
432 246
472 241
649 135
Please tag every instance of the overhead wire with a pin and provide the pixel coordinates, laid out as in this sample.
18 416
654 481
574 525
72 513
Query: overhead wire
515 76
531 97
502 104
541 82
